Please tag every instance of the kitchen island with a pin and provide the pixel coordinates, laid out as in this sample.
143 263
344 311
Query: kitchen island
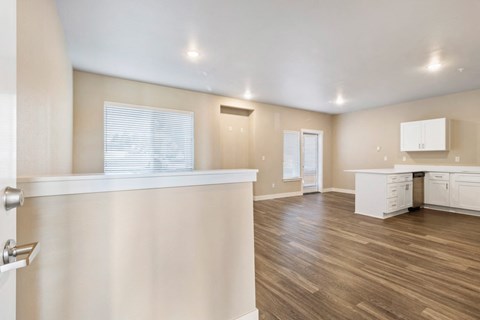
384 193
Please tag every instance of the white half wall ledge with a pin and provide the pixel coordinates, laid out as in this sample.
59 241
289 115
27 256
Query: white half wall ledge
95 183
250 316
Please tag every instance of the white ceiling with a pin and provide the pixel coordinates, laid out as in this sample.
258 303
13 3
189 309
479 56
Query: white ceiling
299 53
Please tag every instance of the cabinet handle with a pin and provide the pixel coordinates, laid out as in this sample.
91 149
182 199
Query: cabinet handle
419 146
446 185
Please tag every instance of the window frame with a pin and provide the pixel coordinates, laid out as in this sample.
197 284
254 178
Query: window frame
158 109
299 176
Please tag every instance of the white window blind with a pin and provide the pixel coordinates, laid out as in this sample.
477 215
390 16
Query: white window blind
146 140
291 154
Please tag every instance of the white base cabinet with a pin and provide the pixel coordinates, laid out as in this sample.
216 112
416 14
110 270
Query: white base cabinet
437 188
382 196
465 191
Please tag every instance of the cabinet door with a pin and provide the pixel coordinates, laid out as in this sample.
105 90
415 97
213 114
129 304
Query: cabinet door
466 191
411 136
405 195
437 193
435 135
408 191
401 196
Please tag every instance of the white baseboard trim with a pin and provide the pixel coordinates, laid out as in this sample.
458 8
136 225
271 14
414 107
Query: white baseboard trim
349 191
277 196
383 215
298 193
250 316
454 210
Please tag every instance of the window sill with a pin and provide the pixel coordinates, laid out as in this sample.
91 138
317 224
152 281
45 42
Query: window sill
292 179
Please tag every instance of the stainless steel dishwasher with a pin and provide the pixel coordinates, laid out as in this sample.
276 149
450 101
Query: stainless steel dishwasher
418 191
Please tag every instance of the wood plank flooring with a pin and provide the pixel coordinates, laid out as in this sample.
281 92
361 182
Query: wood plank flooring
315 259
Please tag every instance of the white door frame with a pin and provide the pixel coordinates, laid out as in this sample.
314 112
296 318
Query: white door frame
320 157
8 104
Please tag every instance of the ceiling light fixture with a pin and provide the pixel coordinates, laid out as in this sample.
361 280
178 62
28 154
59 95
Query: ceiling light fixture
340 101
193 54
247 95
434 66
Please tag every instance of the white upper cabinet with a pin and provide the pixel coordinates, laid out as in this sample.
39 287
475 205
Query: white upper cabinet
411 134
426 135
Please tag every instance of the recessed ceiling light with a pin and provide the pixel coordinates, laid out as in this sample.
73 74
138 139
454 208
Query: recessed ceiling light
193 54
247 95
434 66
461 69
340 101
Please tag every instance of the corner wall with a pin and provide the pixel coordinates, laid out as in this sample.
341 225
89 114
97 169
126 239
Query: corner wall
358 134
217 135
44 91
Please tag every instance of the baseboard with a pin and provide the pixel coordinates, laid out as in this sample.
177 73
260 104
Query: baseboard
454 210
339 190
277 196
298 193
250 316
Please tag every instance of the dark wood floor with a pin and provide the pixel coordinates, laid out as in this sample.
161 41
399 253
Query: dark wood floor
315 259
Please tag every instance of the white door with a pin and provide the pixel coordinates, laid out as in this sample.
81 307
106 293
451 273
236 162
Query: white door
8 98
311 157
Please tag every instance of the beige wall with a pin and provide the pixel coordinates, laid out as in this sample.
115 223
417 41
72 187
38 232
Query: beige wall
175 253
221 140
357 135
44 91
269 124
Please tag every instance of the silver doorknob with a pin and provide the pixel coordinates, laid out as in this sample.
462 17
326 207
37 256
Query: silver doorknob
12 198
11 251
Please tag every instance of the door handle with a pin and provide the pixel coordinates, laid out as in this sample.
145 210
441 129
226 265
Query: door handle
12 198
11 251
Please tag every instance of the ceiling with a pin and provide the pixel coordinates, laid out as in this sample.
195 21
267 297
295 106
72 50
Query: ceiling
300 54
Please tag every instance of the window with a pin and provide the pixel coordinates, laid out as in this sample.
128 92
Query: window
145 140
291 155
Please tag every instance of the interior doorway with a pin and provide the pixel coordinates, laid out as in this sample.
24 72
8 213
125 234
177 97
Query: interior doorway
312 161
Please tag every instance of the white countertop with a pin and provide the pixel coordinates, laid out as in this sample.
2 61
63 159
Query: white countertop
401 168
39 186
381 171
